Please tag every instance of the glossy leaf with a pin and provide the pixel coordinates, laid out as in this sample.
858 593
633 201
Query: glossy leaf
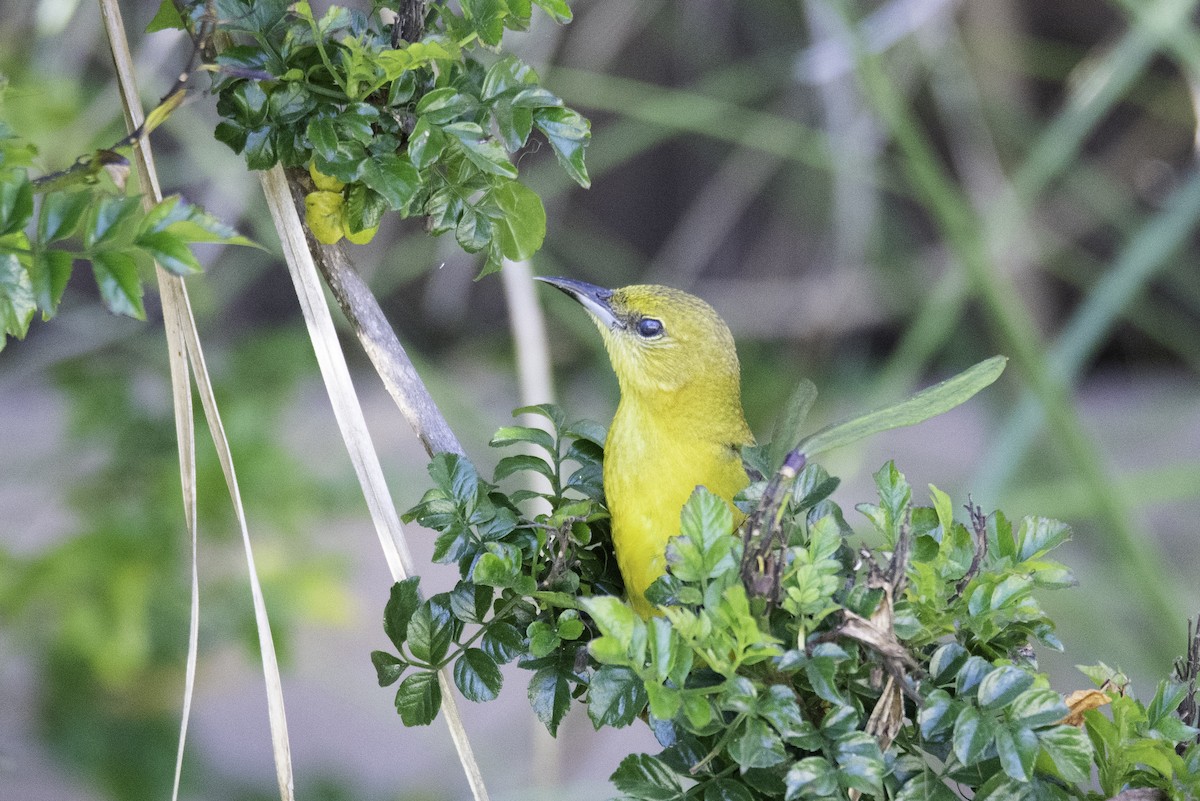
419 698
476 675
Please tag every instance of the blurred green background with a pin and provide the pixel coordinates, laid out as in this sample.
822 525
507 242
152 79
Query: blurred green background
873 194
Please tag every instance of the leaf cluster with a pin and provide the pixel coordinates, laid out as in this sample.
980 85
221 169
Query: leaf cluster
904 671
426 128
520 576
85 219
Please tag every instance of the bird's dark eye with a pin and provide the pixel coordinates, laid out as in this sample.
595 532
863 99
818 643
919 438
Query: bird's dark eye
649 327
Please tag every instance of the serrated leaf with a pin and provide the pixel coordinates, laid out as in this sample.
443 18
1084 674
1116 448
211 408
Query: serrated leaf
558 10
470 602
480 149
430 632
120 287
550 696
49 272
928 403
705 546
1038 535
925 786
172 254
16 203
521 462
476 675
403 600
510 435
419 698
523 225
61 212
757 746
387 667
643 777
615 697
503 642
17 302
568 133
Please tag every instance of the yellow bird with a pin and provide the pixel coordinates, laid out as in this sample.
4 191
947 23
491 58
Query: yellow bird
679 423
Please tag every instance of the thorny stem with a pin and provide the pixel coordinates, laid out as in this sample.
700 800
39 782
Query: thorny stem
979 529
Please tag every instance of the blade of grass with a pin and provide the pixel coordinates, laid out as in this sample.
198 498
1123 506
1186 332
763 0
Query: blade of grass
967 238
1148 252
353 426
182 339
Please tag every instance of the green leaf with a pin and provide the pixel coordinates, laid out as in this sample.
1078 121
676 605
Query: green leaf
503 642
757 746
456 476
61 212
1017 749
642 776
510 435
550 696
49 272
16 204
860 763
521 462
1002 685
470 602
779 708
1038 535
926 786
394 177
170 252
523 226
476 675
499 567
946 661
110 220
821 672
1036 707
786 434
1068 750
615 697
425 144
727 789
928 403
481 150
17 303
402 602
430 632
543 639
974 734
445 105
568 133
387 667
665 702
166 18
558 10
117 277
937 714
705 547
419 698
474 230
811 777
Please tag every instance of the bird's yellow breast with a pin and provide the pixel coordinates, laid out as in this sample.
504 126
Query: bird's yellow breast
653 463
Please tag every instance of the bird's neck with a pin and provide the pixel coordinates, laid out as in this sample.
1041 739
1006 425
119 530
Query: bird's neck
710 409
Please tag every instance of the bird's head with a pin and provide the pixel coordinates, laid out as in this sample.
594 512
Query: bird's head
659 339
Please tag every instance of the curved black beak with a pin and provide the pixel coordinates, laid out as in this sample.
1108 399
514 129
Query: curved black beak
593 298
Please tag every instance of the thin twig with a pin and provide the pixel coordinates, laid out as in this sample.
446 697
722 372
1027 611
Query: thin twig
378 338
